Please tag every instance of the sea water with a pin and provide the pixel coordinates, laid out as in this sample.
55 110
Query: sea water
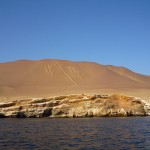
75 134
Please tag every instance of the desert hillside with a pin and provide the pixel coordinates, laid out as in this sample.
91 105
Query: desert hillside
47 77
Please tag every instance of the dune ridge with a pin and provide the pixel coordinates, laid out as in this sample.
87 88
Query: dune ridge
49 76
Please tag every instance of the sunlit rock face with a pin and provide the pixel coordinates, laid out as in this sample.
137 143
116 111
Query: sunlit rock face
75 106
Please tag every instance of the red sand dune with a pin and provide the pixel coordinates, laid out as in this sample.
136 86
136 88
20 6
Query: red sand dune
46 77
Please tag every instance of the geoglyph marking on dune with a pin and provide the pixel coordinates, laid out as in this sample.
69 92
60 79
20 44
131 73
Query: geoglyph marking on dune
67 76
74 71
48 69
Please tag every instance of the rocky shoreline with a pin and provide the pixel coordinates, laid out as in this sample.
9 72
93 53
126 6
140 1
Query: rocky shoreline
75 106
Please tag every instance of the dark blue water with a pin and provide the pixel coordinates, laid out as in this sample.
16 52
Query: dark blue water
75 133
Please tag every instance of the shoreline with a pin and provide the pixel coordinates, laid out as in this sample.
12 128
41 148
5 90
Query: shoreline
76 106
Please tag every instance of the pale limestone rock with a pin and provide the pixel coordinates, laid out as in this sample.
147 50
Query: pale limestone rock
75 106
122 112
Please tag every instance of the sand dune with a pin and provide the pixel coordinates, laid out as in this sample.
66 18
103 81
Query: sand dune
47 77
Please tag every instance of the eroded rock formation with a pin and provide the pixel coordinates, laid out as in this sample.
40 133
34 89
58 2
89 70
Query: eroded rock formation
74 106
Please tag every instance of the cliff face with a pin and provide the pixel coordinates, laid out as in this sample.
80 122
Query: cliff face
74 106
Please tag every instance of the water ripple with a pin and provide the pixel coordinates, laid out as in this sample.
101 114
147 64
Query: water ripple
76 134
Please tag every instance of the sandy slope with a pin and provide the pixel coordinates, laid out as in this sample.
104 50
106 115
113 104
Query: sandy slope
57 77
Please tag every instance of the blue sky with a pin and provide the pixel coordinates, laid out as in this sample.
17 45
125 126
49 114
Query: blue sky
115 32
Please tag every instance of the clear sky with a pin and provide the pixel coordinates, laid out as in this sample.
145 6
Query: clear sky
115 32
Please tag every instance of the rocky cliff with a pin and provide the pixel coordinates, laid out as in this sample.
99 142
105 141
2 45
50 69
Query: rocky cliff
75 106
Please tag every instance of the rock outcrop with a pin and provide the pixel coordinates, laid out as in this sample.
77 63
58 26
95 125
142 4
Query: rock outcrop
74 106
